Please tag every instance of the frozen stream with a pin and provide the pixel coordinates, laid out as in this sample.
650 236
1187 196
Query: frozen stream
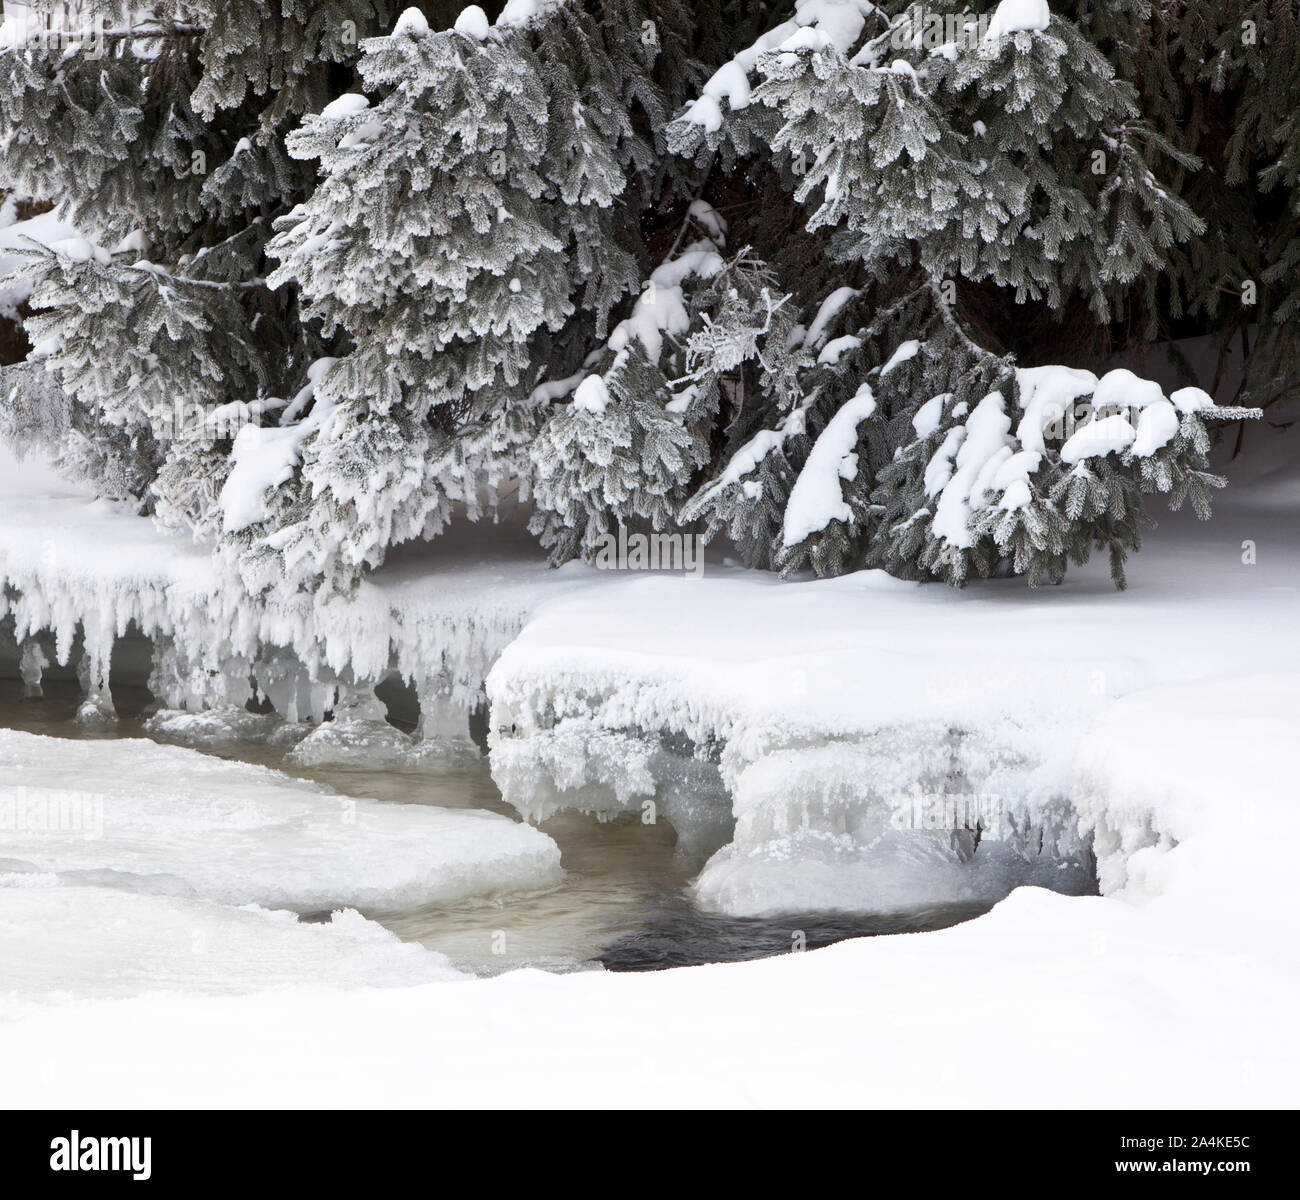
624 903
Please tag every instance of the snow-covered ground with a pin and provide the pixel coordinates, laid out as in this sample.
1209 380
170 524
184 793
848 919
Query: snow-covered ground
1044 1001
111 944
1163 716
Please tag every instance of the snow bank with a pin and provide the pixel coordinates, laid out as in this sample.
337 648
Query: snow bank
57 943
824 716
1046 1001
820 709
1192 790
173 821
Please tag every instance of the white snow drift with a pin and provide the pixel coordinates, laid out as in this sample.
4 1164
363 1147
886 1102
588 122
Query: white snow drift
77 941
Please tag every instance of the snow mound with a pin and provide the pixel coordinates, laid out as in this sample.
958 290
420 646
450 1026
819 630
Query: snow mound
1191 790
90 941
473 23
1019 16
177 822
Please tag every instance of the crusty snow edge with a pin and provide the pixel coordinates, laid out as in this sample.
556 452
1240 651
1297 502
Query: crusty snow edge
169 820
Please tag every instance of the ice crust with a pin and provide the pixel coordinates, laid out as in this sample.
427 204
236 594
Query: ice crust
168 820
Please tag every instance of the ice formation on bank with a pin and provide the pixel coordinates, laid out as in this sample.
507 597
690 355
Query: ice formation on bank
77 575
785 804
903 818
810 743
167 820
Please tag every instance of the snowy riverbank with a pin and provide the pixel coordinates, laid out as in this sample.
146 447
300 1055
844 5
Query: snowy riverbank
1186 999
1160 714
1176 991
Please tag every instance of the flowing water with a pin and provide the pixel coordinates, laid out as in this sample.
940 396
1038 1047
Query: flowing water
624 904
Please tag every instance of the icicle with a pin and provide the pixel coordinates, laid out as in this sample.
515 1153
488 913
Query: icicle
97 705
31 666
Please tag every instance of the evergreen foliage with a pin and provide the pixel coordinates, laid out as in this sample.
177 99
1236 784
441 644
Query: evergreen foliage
829 279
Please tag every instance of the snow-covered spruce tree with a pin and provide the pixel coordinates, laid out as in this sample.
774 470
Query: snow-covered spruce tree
751 340
476 225
163 320
636 429
347 272
1006 157
38 418
458 223
14 208
160 134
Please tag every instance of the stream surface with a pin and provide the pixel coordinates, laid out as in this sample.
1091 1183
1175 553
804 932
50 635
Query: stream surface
624 905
